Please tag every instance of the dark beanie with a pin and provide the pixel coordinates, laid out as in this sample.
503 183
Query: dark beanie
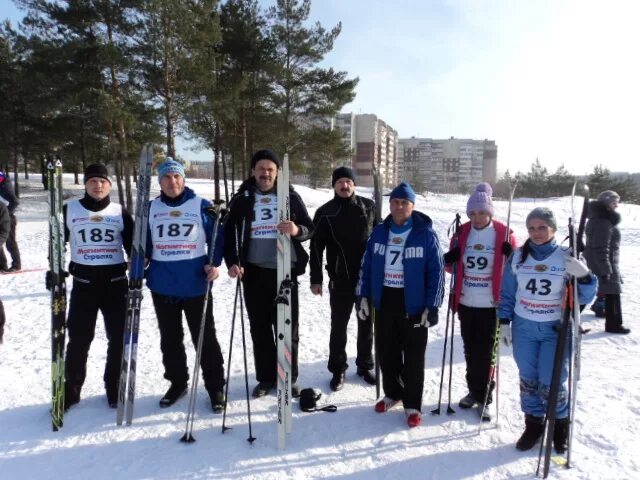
264 154
403 191
96 170
342 172
544 214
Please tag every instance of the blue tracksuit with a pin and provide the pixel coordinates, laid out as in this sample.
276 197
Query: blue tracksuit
423 272
534 342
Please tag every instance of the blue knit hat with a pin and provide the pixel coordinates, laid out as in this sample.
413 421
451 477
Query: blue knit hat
403 191
480 199
170 166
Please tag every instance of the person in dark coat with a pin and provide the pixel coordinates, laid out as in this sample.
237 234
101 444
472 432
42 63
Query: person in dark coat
252 222
342 227
8 198
602 254
5 226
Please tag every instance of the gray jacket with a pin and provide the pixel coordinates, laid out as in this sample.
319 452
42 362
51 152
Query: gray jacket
602 251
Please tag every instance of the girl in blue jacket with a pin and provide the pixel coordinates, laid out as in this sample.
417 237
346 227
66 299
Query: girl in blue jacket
532 297
402 275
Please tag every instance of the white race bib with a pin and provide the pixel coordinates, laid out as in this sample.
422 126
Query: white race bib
540 287
95 237
265 214
176 232
394 254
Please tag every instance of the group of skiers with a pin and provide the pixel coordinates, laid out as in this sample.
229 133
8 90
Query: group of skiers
393 272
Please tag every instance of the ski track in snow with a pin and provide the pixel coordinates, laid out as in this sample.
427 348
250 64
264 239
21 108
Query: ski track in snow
355 442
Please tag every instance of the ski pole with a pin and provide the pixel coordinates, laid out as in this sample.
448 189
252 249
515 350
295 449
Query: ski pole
233 327
188 435
376 357
251 438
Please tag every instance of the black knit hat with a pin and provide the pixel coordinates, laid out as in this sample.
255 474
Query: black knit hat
96 170
342 172
264 154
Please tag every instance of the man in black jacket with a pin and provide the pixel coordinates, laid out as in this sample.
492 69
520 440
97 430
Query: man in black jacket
8 197
252 222
342 226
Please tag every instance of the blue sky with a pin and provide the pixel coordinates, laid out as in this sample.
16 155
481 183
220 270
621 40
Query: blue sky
557 80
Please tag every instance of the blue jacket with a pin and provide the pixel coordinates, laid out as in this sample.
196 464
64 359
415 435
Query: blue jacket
586 291
183 278
423 272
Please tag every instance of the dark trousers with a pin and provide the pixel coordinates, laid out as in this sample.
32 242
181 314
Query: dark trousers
341 306
12 248
479 337
612 311
401 348
86 299
260 288
2 321
174 357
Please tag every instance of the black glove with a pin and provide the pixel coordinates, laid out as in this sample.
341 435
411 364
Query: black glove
506 249
505 321
604 278
432 317
48 278
452 255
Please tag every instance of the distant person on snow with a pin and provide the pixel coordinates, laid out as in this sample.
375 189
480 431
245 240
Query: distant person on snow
478 252
402 276
99 232
531 302
253 220
180 229
602 254
342 227
5 227
8 198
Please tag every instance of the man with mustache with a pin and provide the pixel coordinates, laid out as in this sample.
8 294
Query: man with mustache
342 226
251 230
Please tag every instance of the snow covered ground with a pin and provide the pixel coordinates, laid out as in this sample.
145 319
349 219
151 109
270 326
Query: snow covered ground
354 442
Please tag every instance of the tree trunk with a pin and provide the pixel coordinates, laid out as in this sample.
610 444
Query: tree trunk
119 184
16 167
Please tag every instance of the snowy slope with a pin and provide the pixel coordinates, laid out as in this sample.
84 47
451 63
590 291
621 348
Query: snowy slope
354 442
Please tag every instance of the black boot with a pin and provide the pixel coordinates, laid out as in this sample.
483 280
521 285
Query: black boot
71 395
561 435
262 389
217 401
175 392
368 376
337 381
533 428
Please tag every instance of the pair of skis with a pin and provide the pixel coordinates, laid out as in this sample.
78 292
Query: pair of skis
127 386
283 304
570 325
58 291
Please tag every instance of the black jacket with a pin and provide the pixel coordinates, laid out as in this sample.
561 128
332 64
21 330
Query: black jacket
342 227
9 196
241 213
5 224
602 251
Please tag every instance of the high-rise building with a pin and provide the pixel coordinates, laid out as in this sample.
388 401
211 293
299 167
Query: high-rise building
449 165
371 140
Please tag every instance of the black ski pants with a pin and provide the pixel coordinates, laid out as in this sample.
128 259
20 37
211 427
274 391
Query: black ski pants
401 346
2 320
260 289
174 357
12 248
612 311
479 338
342 303
87 298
